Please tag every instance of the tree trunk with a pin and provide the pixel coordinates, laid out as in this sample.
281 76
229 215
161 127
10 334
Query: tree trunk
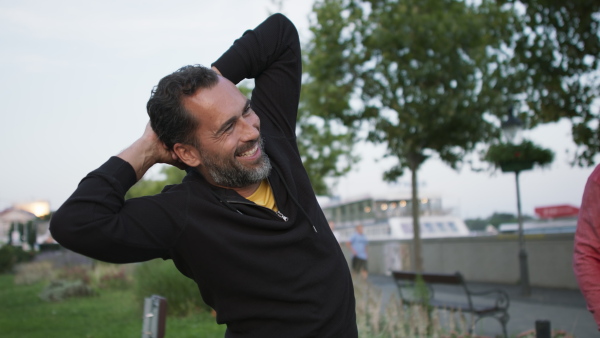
416 203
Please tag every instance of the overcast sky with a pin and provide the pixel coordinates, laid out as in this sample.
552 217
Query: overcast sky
76 75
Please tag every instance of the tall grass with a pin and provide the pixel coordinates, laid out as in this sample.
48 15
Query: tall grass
162 278
113 312
393 319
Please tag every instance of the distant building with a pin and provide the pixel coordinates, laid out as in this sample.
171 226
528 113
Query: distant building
23 213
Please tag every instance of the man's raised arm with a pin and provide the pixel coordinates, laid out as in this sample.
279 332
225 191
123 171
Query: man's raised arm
270 54
96 220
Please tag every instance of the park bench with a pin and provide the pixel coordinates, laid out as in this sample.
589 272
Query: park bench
456 296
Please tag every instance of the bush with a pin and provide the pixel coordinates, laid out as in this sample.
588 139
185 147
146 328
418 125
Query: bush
11 256
112 276
33 272
158 277
62 289
75 273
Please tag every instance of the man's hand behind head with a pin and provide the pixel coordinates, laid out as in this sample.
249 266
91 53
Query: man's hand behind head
147 151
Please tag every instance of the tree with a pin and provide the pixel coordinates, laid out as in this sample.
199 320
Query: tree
496 219
419 68
325 152
325 146
555 53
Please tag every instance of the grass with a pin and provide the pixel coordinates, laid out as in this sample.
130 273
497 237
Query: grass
117 312
115 309
112 313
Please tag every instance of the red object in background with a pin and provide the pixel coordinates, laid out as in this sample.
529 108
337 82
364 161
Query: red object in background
557 211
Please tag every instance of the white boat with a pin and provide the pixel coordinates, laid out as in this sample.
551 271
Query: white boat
390 218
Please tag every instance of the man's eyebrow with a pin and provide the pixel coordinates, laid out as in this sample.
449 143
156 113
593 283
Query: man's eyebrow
226 125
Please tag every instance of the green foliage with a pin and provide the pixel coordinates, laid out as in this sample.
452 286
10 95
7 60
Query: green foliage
554 70
59 290
113 313
325 142
324 152
112 276
34 272
418 72
416 66
149 186
495 219
31 237
158 277
422 292
476 224
11 256
554 334
518 157
75 273
374 318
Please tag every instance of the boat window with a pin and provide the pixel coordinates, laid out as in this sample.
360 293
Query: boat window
453 226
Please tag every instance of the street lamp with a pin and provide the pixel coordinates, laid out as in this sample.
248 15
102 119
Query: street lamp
511 129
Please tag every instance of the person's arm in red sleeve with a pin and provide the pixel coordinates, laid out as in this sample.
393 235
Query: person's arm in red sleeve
586 258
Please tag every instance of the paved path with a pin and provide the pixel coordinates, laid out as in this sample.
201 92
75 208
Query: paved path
565 309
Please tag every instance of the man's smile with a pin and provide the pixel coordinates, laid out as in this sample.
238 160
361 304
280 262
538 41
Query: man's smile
250 152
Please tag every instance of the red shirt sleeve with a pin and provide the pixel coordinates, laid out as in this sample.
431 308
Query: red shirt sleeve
586 258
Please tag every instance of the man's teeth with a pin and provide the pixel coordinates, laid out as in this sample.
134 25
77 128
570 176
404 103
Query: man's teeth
249 152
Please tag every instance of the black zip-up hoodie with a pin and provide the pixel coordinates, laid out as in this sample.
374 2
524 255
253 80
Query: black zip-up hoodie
266 274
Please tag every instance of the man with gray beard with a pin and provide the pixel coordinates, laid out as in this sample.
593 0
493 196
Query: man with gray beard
244 223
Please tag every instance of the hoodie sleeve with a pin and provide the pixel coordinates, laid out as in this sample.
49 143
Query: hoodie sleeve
96 221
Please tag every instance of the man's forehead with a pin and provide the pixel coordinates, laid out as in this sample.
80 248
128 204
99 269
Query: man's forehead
219 102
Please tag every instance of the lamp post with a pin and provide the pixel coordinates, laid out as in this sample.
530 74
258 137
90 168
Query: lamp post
511 129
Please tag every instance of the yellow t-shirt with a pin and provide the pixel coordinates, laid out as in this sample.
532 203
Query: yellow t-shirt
264 196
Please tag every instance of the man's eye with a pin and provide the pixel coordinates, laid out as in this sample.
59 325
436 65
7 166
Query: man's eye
248 108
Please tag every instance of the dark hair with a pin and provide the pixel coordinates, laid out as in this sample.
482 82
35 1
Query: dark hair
169 119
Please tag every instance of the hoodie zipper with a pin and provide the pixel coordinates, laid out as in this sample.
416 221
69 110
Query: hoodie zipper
278 213
282 216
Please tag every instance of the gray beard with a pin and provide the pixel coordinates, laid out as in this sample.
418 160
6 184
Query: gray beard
232 174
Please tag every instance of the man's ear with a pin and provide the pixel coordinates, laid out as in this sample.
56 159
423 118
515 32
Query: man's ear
187 153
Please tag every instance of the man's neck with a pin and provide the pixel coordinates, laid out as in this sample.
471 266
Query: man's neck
246 191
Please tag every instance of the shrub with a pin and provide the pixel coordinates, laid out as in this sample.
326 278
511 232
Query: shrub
12 255
33 272
75 273
158 277
112 276
61 289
